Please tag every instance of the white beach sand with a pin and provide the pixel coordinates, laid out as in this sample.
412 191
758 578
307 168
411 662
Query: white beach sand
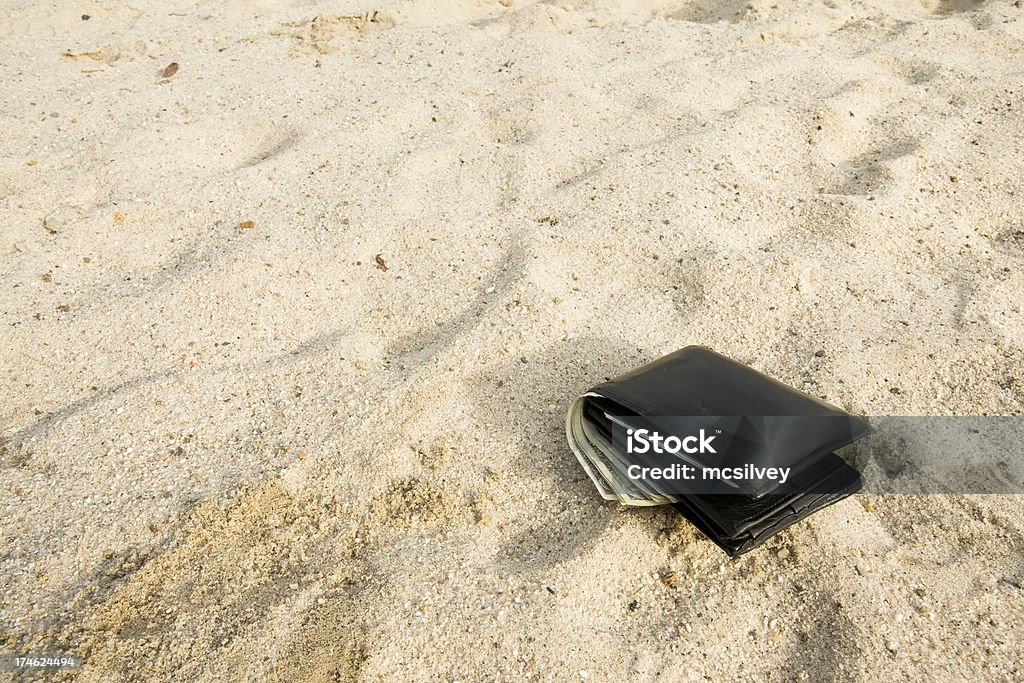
249 453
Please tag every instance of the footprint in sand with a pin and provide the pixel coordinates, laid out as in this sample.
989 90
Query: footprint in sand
328 34
712 11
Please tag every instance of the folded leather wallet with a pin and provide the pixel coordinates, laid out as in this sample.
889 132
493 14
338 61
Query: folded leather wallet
739 454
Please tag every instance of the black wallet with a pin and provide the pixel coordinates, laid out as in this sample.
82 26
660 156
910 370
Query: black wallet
760 454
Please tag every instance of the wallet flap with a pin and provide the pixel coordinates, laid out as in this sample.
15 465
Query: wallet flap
698 381
777 426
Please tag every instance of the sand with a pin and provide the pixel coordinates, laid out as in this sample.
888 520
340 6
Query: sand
236 445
